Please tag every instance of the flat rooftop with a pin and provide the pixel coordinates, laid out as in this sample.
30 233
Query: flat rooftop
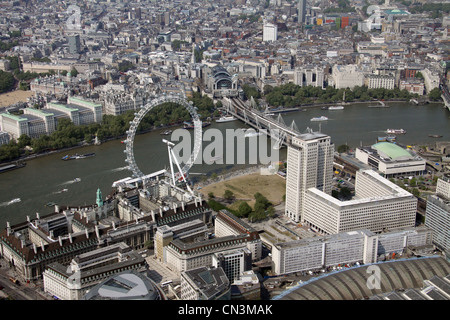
351 284
322 239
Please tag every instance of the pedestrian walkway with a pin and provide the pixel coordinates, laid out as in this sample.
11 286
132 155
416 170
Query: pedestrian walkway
158 271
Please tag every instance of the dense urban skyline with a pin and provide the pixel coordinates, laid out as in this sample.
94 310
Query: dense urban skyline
84 73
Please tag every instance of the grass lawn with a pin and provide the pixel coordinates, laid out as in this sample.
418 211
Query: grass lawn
244 187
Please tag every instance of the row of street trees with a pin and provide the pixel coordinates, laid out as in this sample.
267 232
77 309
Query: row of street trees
69 135
292 95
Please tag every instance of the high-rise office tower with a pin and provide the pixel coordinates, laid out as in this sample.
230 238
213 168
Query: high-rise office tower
309 165
74 44
166 18
301 11
437 216
270 32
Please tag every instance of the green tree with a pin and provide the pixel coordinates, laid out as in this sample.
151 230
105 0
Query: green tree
125 65
198 55
345 193
343 148
270 211
176 44
9 151
6 81
73 72
251 91
23 141
228 194
244 209
261 199
268 89
435 94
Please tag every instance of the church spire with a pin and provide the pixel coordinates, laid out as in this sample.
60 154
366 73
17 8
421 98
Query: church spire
99 198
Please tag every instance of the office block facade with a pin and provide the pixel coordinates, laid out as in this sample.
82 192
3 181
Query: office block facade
310 165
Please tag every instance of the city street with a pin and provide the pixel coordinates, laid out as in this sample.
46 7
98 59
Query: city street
21 291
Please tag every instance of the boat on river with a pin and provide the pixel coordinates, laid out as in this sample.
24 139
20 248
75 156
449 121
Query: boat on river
322 118
226 119
396 131
83 156
13 166
14 200
249 133
78 156
336 108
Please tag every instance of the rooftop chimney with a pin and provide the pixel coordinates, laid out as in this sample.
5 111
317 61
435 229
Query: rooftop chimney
87 233
34 248
60 241
42 246
153 215
70 237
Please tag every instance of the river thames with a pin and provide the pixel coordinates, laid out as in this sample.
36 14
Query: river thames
49 179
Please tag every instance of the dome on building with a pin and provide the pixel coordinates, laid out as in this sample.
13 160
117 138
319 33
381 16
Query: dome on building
392 151
128 285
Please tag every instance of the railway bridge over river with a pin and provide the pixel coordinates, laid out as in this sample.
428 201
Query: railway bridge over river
249 113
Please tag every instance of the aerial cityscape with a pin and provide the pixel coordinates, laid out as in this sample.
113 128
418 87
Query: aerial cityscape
233 150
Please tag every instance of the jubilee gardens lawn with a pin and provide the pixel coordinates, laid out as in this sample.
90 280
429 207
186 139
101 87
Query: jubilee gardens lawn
244 187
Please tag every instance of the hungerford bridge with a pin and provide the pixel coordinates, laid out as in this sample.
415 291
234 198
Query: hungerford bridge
249 113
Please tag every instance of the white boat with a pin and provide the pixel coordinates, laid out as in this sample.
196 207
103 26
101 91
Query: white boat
14 200
322 118
76 180
84 156
226 119
336 108
166 133
396 131
252 133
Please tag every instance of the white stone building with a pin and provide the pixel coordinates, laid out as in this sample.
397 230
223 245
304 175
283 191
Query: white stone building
270 32
375 81
310 165
378 204
347 76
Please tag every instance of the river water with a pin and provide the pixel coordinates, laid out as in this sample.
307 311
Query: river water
43 179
